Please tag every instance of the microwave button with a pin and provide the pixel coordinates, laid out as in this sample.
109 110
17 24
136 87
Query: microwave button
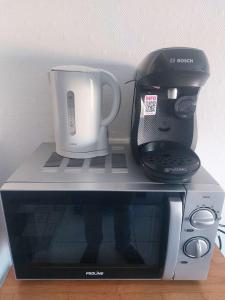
202 218
196 247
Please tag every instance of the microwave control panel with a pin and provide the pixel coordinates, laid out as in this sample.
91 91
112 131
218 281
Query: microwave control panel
202 213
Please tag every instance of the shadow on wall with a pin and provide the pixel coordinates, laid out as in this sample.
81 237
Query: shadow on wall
26 110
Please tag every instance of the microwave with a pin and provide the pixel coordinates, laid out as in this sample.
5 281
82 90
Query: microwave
102 218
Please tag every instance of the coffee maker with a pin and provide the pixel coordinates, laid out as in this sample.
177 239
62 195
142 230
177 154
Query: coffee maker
163 126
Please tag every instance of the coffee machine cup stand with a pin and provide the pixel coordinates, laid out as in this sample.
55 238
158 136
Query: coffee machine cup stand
163 126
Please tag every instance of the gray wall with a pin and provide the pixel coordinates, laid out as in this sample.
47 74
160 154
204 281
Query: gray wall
115 35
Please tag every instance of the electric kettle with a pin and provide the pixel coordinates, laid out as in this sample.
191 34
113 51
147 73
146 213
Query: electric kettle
80 130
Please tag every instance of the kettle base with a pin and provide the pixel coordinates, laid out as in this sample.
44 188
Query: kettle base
89 154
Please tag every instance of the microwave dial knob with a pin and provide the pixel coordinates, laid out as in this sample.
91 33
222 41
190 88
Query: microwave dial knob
202 218
196 247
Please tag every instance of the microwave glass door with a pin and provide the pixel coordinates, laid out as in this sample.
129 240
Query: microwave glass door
87 234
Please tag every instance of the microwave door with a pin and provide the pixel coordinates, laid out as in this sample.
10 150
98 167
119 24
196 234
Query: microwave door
175 222
89 235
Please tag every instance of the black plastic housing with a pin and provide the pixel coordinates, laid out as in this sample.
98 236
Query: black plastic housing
174 67
172 118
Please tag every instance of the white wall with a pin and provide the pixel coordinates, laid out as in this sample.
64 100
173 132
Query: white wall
116 35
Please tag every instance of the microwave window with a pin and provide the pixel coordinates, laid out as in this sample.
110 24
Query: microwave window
121 229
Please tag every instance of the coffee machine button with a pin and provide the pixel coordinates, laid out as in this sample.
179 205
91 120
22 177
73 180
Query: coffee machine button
185 107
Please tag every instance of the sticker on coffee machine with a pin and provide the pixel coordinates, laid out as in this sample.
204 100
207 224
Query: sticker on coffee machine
150 105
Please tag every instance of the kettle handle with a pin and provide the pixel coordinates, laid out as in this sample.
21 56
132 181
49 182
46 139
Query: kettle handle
109 79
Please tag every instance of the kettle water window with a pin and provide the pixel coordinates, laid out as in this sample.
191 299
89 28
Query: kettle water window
66 234
71 112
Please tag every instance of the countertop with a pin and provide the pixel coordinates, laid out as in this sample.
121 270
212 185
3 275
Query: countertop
211 289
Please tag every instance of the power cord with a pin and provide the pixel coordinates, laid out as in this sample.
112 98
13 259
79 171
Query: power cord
220 241
219 237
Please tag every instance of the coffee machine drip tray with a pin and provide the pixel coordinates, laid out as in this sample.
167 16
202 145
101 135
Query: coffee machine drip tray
169 161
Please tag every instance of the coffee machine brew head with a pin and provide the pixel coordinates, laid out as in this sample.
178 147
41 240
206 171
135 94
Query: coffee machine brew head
174 67
181 71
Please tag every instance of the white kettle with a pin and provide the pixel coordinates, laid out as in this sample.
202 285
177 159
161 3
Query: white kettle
80 131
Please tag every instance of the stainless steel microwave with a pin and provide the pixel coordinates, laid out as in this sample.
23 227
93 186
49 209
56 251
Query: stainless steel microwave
101 218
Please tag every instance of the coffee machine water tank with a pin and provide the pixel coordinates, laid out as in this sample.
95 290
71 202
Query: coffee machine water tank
167 84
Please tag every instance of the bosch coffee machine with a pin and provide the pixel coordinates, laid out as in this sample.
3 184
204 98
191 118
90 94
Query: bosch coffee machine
163 129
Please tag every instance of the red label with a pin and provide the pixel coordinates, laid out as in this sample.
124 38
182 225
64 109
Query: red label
150 105
151 97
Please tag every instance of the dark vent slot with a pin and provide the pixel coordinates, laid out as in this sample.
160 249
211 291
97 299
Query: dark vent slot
54 161
119 161
75 163
98 162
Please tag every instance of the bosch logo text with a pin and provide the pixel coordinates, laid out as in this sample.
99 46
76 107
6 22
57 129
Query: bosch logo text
173 60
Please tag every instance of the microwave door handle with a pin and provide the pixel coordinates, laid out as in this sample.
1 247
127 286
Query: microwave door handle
173 244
